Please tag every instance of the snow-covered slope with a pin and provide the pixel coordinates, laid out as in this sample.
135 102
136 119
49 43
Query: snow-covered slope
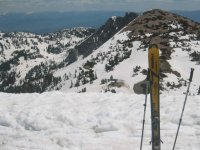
28 61
88 121
104 33
122 71
101 62
27 57
121 63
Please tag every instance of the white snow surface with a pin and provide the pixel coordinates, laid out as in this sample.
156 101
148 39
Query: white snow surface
93 121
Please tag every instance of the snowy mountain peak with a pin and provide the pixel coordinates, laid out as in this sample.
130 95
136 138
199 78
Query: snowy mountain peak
121 64
103 34
159 21
172 34
112 58
114 18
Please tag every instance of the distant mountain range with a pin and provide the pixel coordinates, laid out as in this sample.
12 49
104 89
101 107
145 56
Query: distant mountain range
46 22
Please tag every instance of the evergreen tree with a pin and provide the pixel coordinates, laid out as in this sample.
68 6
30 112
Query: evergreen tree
185 83
77 83
71 85
84 80
95 75
111 78
103 81
84 90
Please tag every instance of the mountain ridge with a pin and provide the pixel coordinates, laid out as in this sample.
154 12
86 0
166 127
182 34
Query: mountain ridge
184 38
120 62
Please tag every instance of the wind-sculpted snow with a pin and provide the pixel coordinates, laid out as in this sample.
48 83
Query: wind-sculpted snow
93 121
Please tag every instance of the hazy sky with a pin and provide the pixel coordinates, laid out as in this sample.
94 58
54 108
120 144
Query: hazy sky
30 6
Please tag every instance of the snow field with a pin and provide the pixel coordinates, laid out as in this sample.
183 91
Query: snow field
93 121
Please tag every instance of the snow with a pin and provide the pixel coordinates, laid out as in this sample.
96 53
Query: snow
182 64
175 25
114 18
93 121
148 34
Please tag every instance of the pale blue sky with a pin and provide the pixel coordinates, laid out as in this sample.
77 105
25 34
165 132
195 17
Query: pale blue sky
30 6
